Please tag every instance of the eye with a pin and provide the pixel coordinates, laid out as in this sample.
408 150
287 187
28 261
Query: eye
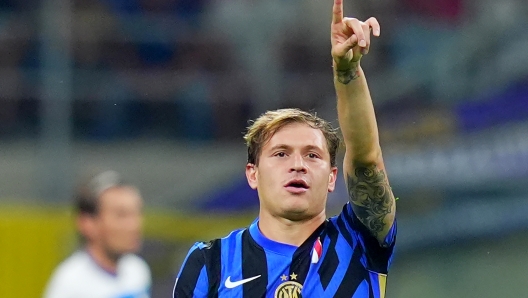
313 155
280 154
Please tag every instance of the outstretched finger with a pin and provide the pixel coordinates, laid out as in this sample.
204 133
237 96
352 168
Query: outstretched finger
337 12
373 23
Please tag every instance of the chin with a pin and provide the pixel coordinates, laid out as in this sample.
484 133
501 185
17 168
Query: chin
131 248
296 214
135 248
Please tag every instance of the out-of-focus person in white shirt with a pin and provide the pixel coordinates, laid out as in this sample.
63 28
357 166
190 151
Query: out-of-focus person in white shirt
109 220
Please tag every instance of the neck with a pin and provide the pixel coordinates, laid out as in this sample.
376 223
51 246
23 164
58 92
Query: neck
105 260
287 231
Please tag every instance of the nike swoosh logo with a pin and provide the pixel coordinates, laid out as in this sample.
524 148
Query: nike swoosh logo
233 284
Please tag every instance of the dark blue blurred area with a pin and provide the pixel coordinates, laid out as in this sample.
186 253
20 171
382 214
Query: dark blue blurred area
237 196
500 107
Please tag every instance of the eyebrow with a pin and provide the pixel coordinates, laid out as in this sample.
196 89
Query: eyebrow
288 147
313 147
280 146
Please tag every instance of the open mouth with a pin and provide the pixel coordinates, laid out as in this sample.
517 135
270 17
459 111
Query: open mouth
297 184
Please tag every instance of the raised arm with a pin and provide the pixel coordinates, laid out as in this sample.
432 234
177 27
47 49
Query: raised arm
368 187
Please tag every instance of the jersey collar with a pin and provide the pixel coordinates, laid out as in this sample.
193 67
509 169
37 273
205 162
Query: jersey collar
268 244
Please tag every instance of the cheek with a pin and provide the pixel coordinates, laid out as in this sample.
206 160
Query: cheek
323 182
266 180
114 227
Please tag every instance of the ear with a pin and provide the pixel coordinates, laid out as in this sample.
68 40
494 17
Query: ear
251 175
332 179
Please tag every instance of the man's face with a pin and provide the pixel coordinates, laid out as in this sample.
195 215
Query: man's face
118 224
293 176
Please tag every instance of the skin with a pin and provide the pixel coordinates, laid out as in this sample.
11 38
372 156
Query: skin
368 186
116 229
291 217
296 151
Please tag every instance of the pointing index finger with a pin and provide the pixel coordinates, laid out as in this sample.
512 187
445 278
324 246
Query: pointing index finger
337 12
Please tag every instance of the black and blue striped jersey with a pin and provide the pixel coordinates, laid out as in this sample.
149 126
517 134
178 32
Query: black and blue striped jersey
340 259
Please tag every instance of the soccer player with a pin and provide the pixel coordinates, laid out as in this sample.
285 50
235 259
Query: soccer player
292 249
109 221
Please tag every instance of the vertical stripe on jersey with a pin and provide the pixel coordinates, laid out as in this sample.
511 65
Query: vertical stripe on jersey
331 260
378 257
213 256
189 275
345 232
353 277
301 260
199 291
254 263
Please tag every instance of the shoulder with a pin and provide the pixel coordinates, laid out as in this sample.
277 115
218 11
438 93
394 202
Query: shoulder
68 274
346 225
132 261
73 266
347 221
230 240
210 252
135 263
345 218
376 256
206 262
134 270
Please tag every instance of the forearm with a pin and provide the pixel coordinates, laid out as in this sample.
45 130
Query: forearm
368 187
356 118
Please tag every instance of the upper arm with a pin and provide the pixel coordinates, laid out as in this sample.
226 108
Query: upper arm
370 195
192 279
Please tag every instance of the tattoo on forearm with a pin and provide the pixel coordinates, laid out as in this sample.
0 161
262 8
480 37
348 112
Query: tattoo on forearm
371 197
347 75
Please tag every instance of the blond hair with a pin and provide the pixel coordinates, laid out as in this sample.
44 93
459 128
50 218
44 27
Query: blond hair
264 127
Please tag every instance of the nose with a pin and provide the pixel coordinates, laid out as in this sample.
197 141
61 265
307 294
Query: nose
298 164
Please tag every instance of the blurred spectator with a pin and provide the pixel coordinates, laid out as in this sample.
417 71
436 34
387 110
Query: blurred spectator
154 25
437 10
194 109
103 95
15 34
254 28
232 105
109 220
165 67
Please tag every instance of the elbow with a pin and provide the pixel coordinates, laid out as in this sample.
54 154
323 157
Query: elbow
370 157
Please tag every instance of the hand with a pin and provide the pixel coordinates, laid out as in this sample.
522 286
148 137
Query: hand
350 38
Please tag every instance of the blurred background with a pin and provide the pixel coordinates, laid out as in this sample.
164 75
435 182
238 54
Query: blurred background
161 90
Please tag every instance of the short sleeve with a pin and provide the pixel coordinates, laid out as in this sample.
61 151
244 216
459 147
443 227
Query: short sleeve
376 256
192 279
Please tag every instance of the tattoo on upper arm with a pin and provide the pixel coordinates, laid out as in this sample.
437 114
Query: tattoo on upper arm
371 197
